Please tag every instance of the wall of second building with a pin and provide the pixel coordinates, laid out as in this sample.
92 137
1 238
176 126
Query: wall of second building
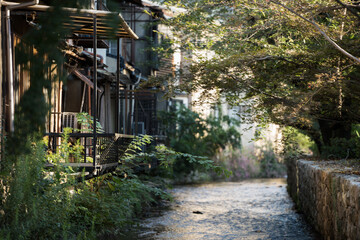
73 95
107 111
111 62
254 137
269 136
136 52
101 52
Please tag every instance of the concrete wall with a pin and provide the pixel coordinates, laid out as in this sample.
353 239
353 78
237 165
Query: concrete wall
330 200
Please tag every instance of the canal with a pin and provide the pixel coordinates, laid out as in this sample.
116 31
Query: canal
250 209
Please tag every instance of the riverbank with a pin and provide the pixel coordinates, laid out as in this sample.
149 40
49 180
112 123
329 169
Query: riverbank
329 193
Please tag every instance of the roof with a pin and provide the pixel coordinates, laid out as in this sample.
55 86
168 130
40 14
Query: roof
81 21
168 12
87 42
137 2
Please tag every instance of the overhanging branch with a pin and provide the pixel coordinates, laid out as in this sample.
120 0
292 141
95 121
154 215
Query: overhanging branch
259 90
350 8
321 31
277 58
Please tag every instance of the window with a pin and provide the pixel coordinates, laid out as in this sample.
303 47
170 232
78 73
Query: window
112 50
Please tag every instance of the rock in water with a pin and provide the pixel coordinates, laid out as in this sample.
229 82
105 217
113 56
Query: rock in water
197 212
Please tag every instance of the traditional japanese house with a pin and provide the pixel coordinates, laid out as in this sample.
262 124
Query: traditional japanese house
91 94
139 106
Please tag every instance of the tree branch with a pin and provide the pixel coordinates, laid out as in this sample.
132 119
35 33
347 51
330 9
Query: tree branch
350 8
278 58
259 91
321 31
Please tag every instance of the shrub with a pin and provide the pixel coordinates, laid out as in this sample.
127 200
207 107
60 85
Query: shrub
295 143
270 166
262 163
39 203
341 148
243 164
191 134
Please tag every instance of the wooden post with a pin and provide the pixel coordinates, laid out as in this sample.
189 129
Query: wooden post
117 95
126 110
136 108
1 83
107 95
94 109
117 87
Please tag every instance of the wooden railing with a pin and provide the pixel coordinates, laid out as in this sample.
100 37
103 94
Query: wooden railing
110 148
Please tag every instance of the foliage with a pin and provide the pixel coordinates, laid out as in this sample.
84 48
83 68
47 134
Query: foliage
258 163
108 203
38 47
66 150
295 143
175 165
342 148
162 161
269 164
241 163
189 133
35 203
195 139
262 50
135 145
49 204
86 121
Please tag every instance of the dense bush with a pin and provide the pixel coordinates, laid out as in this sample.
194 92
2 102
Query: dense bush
296 143
242 164
263 163
341 148
41 204
190 133
217 138
269 164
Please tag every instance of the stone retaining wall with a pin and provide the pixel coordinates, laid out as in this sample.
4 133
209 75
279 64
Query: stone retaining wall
329 200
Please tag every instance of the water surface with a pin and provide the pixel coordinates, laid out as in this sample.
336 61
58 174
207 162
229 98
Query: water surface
251 209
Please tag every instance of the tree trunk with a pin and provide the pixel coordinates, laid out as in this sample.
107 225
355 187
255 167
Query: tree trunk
316 137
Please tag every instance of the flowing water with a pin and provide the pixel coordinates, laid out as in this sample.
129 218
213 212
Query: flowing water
251 209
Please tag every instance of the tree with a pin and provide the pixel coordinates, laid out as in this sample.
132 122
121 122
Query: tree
189 133
295 59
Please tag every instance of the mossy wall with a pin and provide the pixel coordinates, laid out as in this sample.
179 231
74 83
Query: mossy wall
329 200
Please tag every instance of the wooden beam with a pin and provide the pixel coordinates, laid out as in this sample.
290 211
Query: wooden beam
85 79
71 164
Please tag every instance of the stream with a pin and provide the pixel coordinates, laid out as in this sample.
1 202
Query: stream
249 209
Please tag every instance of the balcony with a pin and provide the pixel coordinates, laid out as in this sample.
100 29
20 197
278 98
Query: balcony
110 149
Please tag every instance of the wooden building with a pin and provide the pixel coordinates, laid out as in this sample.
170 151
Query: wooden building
89 90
